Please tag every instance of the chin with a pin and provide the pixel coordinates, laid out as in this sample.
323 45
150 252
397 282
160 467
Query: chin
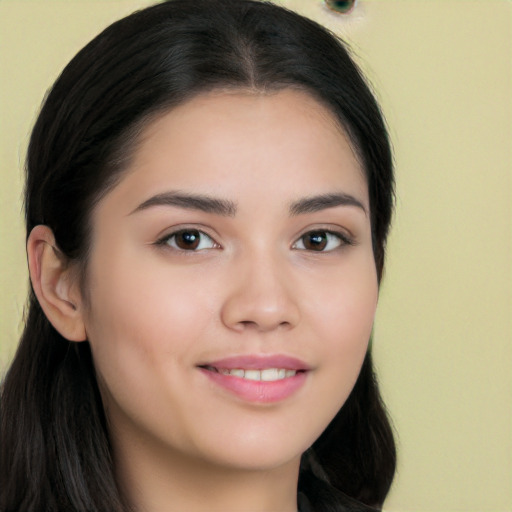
261 451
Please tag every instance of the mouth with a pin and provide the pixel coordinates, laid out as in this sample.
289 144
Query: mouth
257 379
264 374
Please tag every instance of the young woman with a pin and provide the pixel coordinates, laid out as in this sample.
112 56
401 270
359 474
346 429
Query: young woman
209 191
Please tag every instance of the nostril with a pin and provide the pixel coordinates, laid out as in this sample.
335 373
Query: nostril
262 325
248 323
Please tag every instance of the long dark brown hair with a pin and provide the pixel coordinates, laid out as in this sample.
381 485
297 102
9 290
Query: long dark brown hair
55 453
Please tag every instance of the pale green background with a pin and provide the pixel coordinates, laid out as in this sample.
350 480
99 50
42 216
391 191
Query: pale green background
442 70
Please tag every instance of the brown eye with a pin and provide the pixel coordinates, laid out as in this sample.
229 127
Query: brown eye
320 241
316 241
189 240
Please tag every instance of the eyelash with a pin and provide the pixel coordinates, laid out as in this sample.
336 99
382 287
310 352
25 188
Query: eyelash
164 241
343 240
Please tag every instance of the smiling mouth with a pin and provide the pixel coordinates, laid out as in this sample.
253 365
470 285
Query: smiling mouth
264 374
258 379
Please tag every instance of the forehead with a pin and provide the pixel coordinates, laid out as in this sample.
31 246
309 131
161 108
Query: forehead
229 142
258 113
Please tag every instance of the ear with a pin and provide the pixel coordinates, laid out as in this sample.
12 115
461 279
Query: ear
55 285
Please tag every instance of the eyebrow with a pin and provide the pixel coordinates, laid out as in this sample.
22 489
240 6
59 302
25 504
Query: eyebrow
321 202
228 208
200 202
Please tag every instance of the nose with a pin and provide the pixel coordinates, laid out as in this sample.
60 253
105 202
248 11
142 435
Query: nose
260 297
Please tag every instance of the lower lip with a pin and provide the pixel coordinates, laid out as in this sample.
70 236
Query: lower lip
257 390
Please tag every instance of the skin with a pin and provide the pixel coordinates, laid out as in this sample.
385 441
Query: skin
254 286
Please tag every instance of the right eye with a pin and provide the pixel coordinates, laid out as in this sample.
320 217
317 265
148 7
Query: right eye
188 240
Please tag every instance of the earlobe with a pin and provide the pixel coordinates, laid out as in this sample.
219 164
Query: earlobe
53 284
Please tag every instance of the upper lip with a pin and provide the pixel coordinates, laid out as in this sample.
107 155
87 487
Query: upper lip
259 362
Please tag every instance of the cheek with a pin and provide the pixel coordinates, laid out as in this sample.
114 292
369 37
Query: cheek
141 297
345 302
142 315
344 317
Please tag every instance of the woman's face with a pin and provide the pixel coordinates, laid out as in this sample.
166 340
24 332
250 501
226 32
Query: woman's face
232 283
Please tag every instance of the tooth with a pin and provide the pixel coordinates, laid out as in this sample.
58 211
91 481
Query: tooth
266 375
252 374
270 374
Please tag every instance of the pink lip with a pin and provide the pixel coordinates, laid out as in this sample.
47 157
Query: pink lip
259 362
258 391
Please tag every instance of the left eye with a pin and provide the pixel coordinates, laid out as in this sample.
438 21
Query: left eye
189 240
319 241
